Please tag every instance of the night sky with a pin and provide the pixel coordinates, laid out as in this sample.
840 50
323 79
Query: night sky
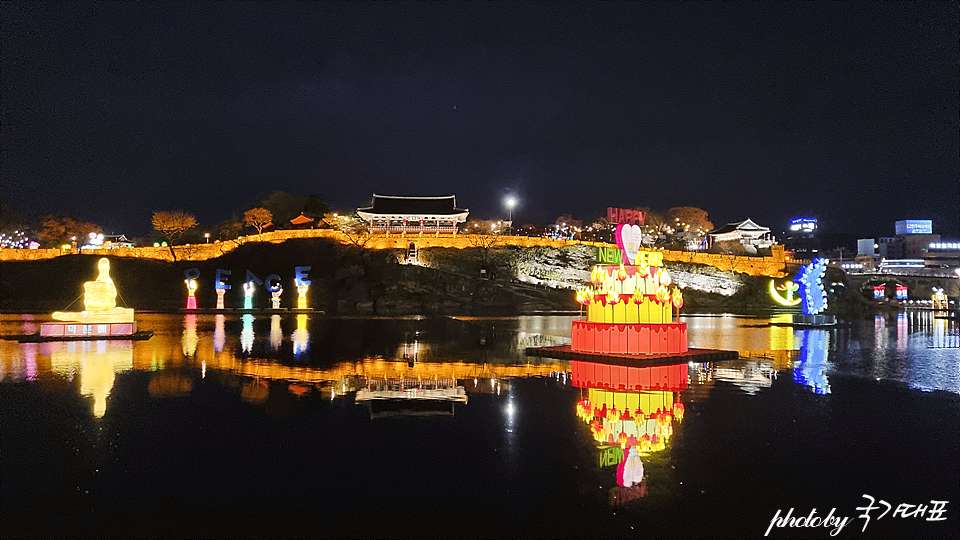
845 112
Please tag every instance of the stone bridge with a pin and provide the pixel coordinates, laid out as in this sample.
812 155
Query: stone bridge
918 287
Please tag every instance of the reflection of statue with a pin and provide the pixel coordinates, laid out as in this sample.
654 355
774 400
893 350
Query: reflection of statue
99 301
630 470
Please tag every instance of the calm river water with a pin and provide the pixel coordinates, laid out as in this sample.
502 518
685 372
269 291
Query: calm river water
296 425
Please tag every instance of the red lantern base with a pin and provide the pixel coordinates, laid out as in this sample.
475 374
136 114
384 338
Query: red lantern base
629 338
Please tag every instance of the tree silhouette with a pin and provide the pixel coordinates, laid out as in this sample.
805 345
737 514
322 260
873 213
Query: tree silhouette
173 224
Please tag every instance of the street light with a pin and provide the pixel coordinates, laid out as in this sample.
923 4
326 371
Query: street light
207 236
511 202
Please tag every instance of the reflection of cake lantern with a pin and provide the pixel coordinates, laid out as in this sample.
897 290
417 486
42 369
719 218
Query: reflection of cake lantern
630 307
630 406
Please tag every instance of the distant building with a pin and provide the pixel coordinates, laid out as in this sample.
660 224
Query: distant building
913 226
394 214
746 232
914 246
802 238
303 222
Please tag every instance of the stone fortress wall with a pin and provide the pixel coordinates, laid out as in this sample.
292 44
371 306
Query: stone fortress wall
772 266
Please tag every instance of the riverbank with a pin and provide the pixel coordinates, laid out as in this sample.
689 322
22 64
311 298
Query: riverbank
349 280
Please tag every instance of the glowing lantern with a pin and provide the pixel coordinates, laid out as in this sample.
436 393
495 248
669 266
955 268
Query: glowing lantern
662 294
638 414
99 301
678 411
643 270
622 273
622 438
191 293
613 296
584 297
637 297
248 289
790 287
302 299
597 275
275 297
664 278
677 299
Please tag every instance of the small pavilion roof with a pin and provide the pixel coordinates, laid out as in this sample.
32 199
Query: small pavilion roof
301 219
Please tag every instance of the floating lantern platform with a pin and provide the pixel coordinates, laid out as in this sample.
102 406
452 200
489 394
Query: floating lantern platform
565 352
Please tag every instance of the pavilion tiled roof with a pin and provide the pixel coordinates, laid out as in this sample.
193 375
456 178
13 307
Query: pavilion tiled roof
301 219
746 225
389 204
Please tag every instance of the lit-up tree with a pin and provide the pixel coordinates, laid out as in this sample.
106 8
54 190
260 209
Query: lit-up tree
691 218
655 224
258 218
173 224
59 228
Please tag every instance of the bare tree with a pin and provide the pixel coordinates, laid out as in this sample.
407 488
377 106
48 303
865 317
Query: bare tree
483 243
356 230
258 218
173 224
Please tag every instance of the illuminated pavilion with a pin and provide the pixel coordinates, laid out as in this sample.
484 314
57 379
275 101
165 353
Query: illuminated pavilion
747 232
394 214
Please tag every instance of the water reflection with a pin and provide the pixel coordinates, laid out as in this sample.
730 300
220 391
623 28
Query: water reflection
750 375
630 406
276 335
913 346
301 337
95 361
480 355
812 367
246 335
219 334
190 338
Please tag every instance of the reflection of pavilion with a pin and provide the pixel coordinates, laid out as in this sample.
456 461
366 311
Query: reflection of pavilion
630 406
409 396
750 375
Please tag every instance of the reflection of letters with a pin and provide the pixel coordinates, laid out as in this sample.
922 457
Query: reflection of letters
611 456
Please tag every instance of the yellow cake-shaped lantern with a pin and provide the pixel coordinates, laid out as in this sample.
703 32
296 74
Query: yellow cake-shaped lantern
630 303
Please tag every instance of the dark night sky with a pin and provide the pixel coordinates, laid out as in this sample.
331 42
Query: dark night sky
847 112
